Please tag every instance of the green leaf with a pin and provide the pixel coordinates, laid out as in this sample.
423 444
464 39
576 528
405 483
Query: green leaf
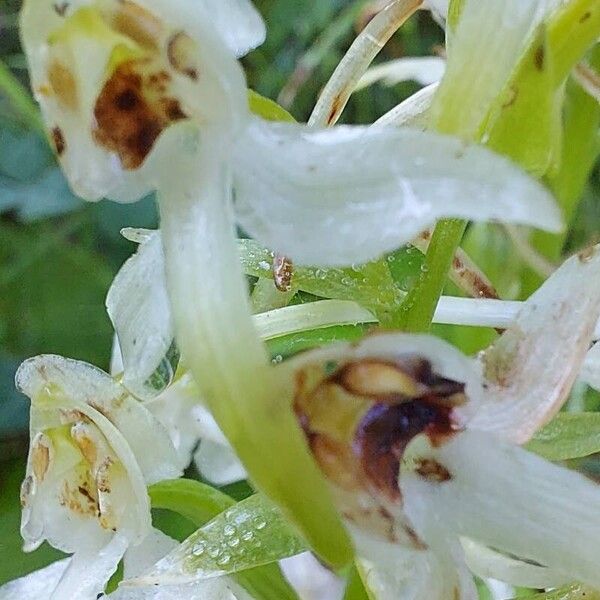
370 285
200 503
355 589
571 592
249 534
267 108
568 435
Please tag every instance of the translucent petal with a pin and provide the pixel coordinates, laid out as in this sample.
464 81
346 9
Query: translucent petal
37 585
531 368
140 557
88 572
505 497
138 306
299 191
487 563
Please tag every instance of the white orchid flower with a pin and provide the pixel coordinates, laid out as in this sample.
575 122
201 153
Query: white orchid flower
93 451
156 545
420 445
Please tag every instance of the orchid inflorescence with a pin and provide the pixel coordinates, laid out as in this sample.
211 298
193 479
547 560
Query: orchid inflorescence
391 451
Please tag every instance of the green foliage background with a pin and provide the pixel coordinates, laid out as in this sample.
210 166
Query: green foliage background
58 255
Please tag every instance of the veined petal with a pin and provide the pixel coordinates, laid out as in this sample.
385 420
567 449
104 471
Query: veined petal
138 306
480 487
299 192
37 585
531 368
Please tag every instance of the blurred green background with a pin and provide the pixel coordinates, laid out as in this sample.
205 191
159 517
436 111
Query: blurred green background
58 255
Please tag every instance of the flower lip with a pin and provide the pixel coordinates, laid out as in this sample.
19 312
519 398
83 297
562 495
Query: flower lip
359 420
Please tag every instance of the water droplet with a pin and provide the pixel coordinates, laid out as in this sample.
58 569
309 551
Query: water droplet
233 542
214 551
260 524
346 281
199 549
277 359
321 274
264 265
229 530
247 536
424 268
224 559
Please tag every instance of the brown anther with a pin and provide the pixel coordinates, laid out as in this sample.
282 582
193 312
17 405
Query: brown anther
283 272
379 380
86 445
63 85
58 139
180 52
432 470
138 24
40 458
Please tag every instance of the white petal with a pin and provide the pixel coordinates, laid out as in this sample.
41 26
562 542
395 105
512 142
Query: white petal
310 579
413 112
530 370
507 498
237 22
218 463
221 588
88 572
391 572
422 69
346 195
37 585
138 307
487 563
141 557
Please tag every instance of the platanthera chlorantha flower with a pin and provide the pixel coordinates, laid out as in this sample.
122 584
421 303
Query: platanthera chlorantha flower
93 451
148 95
420 445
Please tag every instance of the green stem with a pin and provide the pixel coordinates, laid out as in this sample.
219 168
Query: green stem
416 312
20 100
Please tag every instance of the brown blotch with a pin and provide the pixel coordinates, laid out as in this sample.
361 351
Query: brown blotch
335 109
283 272
418 543
61 9
26 489
432 470
386 431
539 58
479 285
138 24
63 85
180 52
132 110
40 460
585 16
58 139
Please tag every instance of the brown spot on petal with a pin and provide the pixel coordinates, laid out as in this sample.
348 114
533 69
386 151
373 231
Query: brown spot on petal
138 24
103 476
432 470
58 140
132 110
283 271
63 85
86 445
180 52
585 16
26 490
